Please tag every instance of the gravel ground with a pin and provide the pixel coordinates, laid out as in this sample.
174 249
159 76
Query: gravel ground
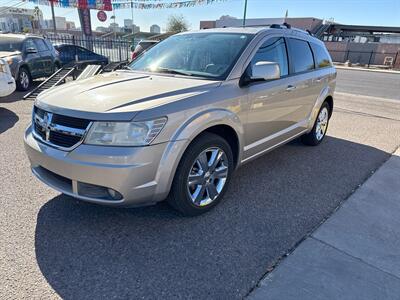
54 246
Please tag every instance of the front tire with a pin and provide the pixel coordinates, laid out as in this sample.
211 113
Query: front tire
24 80
202 176
318 132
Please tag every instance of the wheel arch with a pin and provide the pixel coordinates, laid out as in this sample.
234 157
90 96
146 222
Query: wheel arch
218 121
325 95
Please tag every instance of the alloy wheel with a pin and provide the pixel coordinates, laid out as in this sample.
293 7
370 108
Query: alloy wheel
322 123
207 176
24 79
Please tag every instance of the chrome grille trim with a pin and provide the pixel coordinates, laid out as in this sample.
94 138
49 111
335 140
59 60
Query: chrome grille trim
43 121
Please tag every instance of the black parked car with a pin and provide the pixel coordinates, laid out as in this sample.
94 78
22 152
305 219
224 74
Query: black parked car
29 57
69 53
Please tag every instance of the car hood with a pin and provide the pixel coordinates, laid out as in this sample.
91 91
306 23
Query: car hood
121 92
9 53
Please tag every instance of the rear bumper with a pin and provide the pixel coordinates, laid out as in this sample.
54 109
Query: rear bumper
140 175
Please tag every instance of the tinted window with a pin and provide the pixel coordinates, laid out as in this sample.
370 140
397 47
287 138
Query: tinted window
273 50
40 45
30 44
321 56
301 56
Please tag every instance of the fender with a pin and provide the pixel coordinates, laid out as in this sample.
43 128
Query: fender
326 92
182 138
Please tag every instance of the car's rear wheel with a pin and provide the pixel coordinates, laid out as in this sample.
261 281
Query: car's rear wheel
318 132
202 176
24 80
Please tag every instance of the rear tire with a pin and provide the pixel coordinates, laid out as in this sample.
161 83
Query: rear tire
24 79
202 176
318 132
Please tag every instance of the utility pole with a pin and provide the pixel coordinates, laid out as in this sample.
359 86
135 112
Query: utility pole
245 11
54 18
133 25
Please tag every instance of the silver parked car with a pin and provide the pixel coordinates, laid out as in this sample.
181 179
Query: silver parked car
183 117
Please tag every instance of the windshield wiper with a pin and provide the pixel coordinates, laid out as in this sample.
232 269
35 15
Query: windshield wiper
172 71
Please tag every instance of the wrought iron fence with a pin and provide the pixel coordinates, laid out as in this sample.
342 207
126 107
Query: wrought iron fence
114 49
367 58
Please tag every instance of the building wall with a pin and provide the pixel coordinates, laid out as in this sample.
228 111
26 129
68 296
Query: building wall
303 23
363 53
155 28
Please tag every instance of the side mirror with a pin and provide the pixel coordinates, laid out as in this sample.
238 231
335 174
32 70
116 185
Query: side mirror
265 70
31 50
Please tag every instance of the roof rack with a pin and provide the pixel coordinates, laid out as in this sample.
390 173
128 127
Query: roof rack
279 26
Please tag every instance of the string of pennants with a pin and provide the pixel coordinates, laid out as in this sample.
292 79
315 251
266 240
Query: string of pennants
117 4
109 5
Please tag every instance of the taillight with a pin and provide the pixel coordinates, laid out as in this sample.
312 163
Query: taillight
134 55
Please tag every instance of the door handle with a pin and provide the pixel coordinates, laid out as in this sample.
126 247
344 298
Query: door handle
318 80
290 88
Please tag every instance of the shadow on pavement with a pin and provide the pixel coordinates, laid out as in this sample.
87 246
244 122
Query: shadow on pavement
93 252
7 119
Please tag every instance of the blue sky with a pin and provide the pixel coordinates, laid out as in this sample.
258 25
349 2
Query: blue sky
360 12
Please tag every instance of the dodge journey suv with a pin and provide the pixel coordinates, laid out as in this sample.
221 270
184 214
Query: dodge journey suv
185 114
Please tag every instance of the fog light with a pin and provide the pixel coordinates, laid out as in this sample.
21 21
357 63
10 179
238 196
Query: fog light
114 194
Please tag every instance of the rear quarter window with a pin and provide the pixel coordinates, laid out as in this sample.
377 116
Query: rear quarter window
321 55
301 56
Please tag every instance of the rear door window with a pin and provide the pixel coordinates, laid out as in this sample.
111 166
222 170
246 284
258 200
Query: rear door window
301 56
273 50
321 55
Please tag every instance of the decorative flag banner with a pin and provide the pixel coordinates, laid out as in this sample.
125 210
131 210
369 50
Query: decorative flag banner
109 5
82 4
158 4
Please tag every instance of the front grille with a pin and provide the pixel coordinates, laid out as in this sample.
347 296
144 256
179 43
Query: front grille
58 130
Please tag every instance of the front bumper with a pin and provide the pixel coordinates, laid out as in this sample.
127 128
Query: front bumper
141 175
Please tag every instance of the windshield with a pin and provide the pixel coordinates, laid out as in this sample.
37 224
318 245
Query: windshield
10 44
209 55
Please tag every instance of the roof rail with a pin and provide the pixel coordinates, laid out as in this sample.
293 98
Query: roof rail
279 26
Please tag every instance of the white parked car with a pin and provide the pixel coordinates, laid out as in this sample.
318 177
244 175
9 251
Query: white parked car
7 82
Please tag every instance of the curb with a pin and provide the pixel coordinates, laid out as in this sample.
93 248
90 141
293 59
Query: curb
260 290
367 70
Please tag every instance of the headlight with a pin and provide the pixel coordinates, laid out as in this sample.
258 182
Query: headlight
11 59
124 133
2 67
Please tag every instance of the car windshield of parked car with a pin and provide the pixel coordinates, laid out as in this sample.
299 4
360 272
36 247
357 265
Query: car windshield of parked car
11 45
208 55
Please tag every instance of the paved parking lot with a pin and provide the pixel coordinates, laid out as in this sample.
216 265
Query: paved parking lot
54 246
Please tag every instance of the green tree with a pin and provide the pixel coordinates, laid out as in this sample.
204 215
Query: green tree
177 23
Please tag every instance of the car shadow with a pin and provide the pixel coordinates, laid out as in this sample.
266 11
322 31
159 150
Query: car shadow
7 119
93 252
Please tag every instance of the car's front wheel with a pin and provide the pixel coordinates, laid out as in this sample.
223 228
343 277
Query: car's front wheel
202 176
318 132
24 80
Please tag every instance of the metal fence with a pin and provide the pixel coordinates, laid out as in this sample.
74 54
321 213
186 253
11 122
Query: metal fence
114 49
366 58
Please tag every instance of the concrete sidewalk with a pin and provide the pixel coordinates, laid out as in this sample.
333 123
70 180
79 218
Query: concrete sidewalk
355 254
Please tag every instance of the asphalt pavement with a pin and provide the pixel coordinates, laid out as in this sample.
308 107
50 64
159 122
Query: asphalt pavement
367 83
54 246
